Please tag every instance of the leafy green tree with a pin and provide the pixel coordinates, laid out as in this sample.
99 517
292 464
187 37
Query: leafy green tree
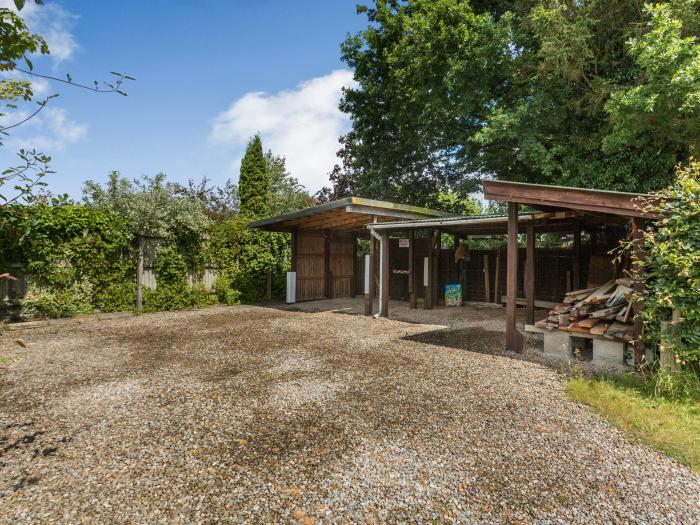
452 202
151 206
595 94
285 192
662 113
220 203
254 182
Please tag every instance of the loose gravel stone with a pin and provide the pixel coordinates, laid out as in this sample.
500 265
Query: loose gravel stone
251 414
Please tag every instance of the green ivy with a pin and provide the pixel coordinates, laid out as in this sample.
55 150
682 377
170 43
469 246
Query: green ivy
172 291
245 256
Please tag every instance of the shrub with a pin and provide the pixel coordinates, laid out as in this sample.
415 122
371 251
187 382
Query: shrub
245 256
225 291
69 301
172 291
672 263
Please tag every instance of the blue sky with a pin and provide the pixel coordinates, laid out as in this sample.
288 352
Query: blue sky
209 74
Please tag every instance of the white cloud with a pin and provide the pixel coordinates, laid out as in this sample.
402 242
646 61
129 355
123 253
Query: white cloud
303 124
54 23
50 131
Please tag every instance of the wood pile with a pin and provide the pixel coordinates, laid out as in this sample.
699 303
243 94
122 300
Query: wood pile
606 311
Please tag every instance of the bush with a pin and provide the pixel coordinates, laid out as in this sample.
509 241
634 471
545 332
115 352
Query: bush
672 263
69 301
172 290
245 256
225 290
175 297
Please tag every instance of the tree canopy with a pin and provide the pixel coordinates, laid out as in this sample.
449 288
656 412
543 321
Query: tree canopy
591 93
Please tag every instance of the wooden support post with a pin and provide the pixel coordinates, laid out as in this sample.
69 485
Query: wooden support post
463 277
436 270
353 280
412 301
514 339
638 274
386 273
326 265
530 275
369 298
487 278
428 296
496 277
139 278
576 285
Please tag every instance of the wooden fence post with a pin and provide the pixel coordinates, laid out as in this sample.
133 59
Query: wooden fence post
139 277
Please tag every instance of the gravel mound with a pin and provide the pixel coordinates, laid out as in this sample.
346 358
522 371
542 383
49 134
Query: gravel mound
251 414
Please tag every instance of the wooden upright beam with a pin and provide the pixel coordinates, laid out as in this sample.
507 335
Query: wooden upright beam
436 270
514 339
353 281
530 276
638 274
428 296
412 301
577 258
369 298
384 307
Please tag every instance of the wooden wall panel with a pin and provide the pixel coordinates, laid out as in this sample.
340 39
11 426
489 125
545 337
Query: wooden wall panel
310 247
341 265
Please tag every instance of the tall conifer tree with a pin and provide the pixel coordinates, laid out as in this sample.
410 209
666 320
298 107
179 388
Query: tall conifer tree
254 183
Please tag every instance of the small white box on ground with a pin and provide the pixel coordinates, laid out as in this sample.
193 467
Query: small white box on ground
291 287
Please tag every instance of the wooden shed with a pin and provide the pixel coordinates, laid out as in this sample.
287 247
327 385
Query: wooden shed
552 209
324 241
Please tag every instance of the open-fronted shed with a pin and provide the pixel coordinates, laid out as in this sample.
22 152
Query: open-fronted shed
602 214
324 241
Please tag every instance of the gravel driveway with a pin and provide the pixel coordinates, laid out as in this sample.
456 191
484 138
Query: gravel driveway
252 414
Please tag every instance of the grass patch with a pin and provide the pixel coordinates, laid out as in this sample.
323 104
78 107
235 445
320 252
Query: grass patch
635 406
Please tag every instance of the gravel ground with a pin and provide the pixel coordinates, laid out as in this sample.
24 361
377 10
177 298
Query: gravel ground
252 414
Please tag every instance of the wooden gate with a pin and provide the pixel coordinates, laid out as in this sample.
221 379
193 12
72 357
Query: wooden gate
310 267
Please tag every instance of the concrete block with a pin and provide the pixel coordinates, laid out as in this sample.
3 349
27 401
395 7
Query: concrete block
608 353
557 344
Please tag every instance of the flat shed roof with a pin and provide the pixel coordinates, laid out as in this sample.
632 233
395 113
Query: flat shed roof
349 214
485 224
568 198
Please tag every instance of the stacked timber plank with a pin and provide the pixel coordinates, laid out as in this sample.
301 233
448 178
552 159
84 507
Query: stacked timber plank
605 310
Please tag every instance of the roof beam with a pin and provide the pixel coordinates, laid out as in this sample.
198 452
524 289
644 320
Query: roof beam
608 202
